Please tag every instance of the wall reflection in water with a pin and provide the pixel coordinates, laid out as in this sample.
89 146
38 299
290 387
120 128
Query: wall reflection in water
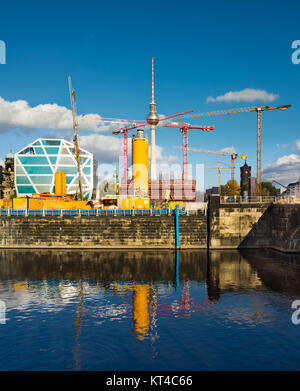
137 280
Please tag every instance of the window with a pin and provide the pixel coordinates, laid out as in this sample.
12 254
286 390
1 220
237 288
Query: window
26 190
33 160
38 170
27 151
51 142
46 179
52 151
22 180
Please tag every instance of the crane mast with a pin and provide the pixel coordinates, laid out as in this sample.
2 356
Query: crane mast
233 156
259 110
75 138
219 168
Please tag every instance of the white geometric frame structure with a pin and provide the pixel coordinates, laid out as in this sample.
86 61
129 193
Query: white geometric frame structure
36 164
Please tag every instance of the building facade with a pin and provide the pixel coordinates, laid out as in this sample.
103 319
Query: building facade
252 187
37 163
7 185
292 190
245 174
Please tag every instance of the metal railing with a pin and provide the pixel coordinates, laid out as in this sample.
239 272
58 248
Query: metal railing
243 200
92 212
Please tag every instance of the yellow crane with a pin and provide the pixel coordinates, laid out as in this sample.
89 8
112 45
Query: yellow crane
75 138
219 168
259 110
232 154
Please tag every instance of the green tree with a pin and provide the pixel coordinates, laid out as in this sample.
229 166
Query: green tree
244 187
231 188
268 189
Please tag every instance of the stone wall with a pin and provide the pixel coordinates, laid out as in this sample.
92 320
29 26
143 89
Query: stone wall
253 225
101 232
229 224
278 228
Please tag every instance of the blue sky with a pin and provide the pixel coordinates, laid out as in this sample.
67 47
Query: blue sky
201 49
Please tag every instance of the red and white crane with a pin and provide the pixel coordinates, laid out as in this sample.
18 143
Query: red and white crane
153 120
258 110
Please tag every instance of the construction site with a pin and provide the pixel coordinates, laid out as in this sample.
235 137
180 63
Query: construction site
70 181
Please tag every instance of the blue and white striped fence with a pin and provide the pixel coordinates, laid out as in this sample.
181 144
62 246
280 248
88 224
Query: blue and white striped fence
91 212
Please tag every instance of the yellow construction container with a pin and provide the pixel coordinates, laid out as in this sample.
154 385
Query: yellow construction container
61 204
141 203
40 203
35 203
125 203
140 163
133 203
19 203
60 183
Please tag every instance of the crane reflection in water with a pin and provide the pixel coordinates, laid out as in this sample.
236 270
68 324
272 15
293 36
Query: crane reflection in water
142 292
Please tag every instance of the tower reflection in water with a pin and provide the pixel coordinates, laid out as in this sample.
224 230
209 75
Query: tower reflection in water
141 279
140 310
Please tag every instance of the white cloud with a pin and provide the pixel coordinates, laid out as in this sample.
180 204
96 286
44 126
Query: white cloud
161 159
106 149
1 162
246 95
228 150
19 114
285 169
297 144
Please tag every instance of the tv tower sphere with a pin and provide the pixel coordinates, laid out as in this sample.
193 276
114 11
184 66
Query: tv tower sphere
152 118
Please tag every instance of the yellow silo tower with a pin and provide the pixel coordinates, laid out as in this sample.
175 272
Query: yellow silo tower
140 163
60 183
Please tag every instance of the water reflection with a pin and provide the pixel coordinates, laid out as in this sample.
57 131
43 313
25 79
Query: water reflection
139 290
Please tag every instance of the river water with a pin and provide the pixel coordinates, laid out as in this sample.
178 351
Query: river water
148 310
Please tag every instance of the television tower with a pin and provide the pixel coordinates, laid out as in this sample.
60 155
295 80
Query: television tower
153 120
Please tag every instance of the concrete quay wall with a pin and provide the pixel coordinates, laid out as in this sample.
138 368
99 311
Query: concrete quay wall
253 225
101 232
226 226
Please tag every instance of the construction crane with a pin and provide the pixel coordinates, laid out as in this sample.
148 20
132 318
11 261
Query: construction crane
75 138
163 122
280 184
219 168
232 154
134 125
259 110
184 129
153 120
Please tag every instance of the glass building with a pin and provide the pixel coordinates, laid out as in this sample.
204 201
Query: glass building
36 164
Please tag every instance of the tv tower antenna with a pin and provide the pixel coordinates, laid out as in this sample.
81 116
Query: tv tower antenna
153 120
